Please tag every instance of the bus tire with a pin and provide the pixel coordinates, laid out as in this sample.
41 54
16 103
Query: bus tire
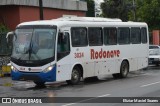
75 76
145 68
124 69
91 79
116 76
39 84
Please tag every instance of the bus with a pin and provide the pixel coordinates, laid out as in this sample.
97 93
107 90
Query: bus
71 48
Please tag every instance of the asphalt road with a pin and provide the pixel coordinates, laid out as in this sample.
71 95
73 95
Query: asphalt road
143 83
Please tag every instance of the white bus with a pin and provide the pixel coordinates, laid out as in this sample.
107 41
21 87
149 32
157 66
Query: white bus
68 49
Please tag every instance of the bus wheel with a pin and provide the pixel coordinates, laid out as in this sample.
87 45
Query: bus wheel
91 79
39 84
116 76
124 69
75 77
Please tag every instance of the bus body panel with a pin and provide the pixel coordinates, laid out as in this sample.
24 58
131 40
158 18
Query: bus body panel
64 69
27 73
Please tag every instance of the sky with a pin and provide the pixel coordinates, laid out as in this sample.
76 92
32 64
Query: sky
98 1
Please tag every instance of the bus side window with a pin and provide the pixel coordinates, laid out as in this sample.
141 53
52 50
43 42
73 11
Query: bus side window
63 46
110 36
144 35
135 35
123 35
79 36
95 36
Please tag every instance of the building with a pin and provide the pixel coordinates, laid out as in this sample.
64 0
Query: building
13 12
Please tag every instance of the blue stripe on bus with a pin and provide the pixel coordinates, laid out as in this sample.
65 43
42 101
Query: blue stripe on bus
35 76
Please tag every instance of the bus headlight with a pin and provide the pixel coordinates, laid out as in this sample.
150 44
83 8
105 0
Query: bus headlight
48 68
13 68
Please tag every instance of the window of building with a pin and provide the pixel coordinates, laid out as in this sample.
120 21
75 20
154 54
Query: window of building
79 37
135 35
144 35
123 35
110 36
95 36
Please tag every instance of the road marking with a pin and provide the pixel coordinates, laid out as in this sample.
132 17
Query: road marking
150 84
69 104
104 95
86 100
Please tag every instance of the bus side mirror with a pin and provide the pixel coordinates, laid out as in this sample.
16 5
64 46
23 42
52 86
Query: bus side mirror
9 34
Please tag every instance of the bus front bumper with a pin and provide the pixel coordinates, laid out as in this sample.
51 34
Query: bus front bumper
34 76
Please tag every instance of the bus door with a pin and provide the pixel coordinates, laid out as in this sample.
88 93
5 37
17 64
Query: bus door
63 58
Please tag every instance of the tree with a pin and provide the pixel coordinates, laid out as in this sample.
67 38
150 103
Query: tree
91 8
148 11
143 11
3 28
115 9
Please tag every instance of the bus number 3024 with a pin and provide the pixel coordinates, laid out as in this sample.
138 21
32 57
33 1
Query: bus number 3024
78 55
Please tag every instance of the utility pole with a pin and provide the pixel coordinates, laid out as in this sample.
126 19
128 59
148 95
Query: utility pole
134 10
41 9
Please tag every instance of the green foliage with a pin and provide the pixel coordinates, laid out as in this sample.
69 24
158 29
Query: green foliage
148 11
91 8
143 11
3 28
3 41
115 9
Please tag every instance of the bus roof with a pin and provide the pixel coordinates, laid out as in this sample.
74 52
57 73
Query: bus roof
83 21
89 19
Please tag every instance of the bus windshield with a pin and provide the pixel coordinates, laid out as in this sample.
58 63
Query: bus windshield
34 44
